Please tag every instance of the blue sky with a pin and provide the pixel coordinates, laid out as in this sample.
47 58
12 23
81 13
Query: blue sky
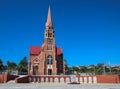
88 31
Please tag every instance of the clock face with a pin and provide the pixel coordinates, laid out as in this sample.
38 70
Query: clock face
49 41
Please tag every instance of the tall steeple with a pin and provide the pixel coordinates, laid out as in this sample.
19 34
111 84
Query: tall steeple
49 24
49 31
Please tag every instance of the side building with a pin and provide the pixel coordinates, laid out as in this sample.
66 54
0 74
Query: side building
47 59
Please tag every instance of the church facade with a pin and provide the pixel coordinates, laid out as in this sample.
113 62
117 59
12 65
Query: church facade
47 59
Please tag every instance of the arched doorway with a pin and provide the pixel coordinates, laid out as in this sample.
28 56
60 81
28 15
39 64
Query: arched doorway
49 71
35 70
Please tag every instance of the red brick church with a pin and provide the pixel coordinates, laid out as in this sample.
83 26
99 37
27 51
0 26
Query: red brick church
47 59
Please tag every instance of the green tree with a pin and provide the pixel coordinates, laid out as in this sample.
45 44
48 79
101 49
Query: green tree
91 68
23 65
100 69
66 66
76 69
69 70
1 65
11 65
84 69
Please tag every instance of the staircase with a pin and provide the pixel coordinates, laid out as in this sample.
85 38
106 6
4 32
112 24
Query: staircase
11 82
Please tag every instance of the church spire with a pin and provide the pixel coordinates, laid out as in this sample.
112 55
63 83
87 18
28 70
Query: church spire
49 31
49 24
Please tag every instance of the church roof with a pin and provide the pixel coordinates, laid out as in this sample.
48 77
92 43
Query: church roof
59 51
35 50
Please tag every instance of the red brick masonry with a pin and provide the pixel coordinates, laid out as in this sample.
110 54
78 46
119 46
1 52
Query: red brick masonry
61 79
6 78
43 79
68 79
108 78
22 80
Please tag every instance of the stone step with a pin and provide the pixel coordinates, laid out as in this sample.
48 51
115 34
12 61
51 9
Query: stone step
11 82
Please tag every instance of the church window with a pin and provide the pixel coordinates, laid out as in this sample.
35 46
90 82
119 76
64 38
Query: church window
49 60
36 68
49 41
50 34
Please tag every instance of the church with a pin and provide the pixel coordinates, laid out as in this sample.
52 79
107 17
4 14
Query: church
47 59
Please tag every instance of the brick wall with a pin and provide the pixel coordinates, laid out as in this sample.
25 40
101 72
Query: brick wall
86 79
64 79
119 78
44 79
2 78
108 78
22 79
5 78
98 79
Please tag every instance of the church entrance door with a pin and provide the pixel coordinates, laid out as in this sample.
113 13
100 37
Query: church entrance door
35 72
49 71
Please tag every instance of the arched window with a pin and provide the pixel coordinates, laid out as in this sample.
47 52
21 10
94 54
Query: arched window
49 60
36 67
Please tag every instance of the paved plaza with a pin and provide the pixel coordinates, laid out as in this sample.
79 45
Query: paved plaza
59 86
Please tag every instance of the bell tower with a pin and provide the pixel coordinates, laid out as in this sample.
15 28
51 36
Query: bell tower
49 32
49 47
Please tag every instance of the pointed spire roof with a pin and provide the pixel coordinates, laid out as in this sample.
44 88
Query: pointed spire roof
49 20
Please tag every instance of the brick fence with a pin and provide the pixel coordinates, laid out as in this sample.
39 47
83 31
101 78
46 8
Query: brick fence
108 78
57 79
62 79
44 79
5 78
